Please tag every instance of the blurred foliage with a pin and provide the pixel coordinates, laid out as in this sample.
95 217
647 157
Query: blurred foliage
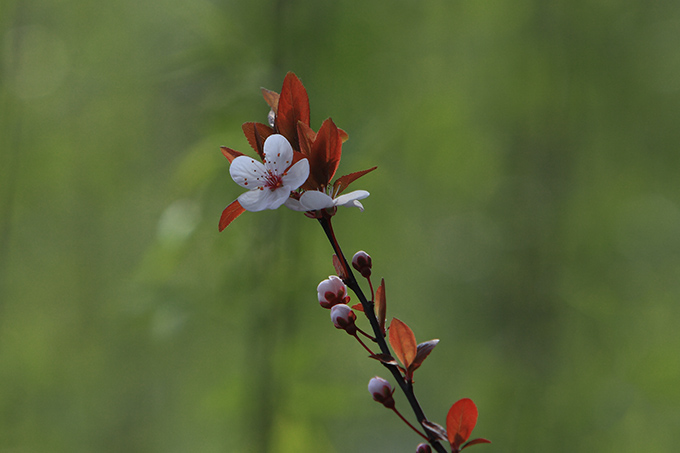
526 211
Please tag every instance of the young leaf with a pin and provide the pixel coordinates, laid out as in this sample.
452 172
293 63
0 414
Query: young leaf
306 136
475 442
403 342
434 428
230 154
230 213
271 98
293 107
339 268
343 181
257 133
385 358
423 351
460 421
381 305
324 156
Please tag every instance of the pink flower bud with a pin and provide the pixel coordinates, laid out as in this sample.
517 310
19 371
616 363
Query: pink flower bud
424 448
343 318
362 263
332 291
382 391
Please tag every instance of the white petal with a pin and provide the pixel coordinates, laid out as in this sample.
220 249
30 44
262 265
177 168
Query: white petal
313 200
247 172
295 205
261 199
278 154
352 199
296 175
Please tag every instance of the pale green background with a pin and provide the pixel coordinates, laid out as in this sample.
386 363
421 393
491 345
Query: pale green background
526 211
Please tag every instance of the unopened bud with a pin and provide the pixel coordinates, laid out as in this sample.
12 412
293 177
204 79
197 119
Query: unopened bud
424 448
382 391
332 291
343 318
362 263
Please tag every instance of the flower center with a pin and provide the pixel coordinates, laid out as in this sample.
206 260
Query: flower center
272 181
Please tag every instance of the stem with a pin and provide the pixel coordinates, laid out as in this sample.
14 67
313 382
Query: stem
370 337
409 424
363 344
369 311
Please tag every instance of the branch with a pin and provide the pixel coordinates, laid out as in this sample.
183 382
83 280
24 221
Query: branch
369 311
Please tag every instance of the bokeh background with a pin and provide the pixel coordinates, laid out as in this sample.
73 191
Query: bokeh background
526 212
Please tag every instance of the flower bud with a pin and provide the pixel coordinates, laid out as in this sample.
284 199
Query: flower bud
343 318
382 391
362 263
424 448
332 291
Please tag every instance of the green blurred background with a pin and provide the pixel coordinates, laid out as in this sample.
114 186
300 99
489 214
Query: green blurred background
526 211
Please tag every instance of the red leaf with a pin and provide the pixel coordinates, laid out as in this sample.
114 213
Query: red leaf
230 213
271 98
257 133
358 307
460 421
434 428
381 305
293 107
230 154
403 342
324 156
385 358
339 268
475 442
423 351
343 181
306 136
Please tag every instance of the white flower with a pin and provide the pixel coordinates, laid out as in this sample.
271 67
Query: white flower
271 182
313 200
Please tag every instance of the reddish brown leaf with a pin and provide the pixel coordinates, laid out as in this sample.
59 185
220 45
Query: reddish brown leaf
381 305
385 358
271 98
460 421
257 133
343 135
403 342
230 213
293 107
434 428
324 156
358 307
306 136
475 442
423 351
339 268
344 181
230 154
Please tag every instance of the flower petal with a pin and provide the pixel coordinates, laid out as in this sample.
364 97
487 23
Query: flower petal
352 199
261 199
247 172
295 205
278 154
296 175
313 200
